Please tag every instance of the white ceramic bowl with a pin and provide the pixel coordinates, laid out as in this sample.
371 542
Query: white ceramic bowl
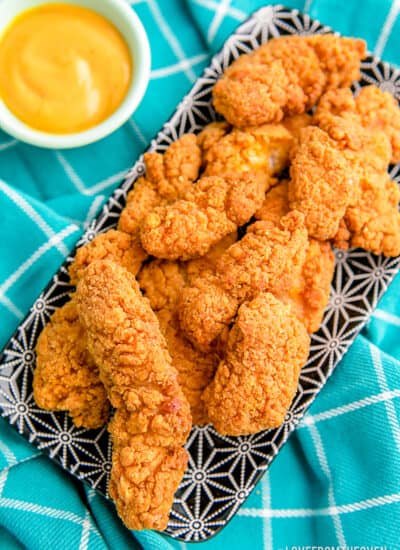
124 18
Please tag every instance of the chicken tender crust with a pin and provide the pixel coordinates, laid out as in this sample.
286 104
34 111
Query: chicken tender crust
168 176
212 209
269 253
322 183
286 76
373 108
152 417
66 377
256 381
308 290
260 152
373 222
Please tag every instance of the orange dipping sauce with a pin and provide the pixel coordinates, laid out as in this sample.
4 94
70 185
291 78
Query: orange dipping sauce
64 68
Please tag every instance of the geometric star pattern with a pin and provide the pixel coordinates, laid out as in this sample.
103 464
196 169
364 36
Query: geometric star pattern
222 470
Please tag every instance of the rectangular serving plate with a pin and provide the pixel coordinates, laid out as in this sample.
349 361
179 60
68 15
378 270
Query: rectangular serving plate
222 470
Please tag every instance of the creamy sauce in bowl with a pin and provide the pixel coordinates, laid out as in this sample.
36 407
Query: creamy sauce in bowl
65 68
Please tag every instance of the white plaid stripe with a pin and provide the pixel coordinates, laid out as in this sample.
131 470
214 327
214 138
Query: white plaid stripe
387 28
389 406
315 512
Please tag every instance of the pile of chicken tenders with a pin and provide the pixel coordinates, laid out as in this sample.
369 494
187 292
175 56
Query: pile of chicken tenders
175 319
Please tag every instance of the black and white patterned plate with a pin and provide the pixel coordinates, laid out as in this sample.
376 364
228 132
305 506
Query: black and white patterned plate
222 470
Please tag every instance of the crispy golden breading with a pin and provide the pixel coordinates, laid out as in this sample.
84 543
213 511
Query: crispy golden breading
244 162
152 418
296 123
337 103
373 221
249 94
322 182
212 209
308 293
112 245
256 381
162 282
372 108
211 133
269 254
309 289
195 369
302 68
380 111
168 177
339 58
259 152
286 76
140 200
66 377
276 203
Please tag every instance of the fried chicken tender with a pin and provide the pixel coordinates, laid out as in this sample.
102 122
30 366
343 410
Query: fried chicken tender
268 255
286 76
373 221
168 176
322 183
212 209
251 94
308 292
162 282
66 377
112 245
256 381
152 417
373 108
259 152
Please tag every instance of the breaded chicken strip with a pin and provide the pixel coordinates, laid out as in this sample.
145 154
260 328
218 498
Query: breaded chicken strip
328 165
372 222
162 282
251 93
372 108
168 176
286 76
256 381
152 417
322 182
66 377
212 209
246 160
270 254
308 292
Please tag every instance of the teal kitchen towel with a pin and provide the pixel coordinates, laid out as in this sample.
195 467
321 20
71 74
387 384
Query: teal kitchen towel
337 481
